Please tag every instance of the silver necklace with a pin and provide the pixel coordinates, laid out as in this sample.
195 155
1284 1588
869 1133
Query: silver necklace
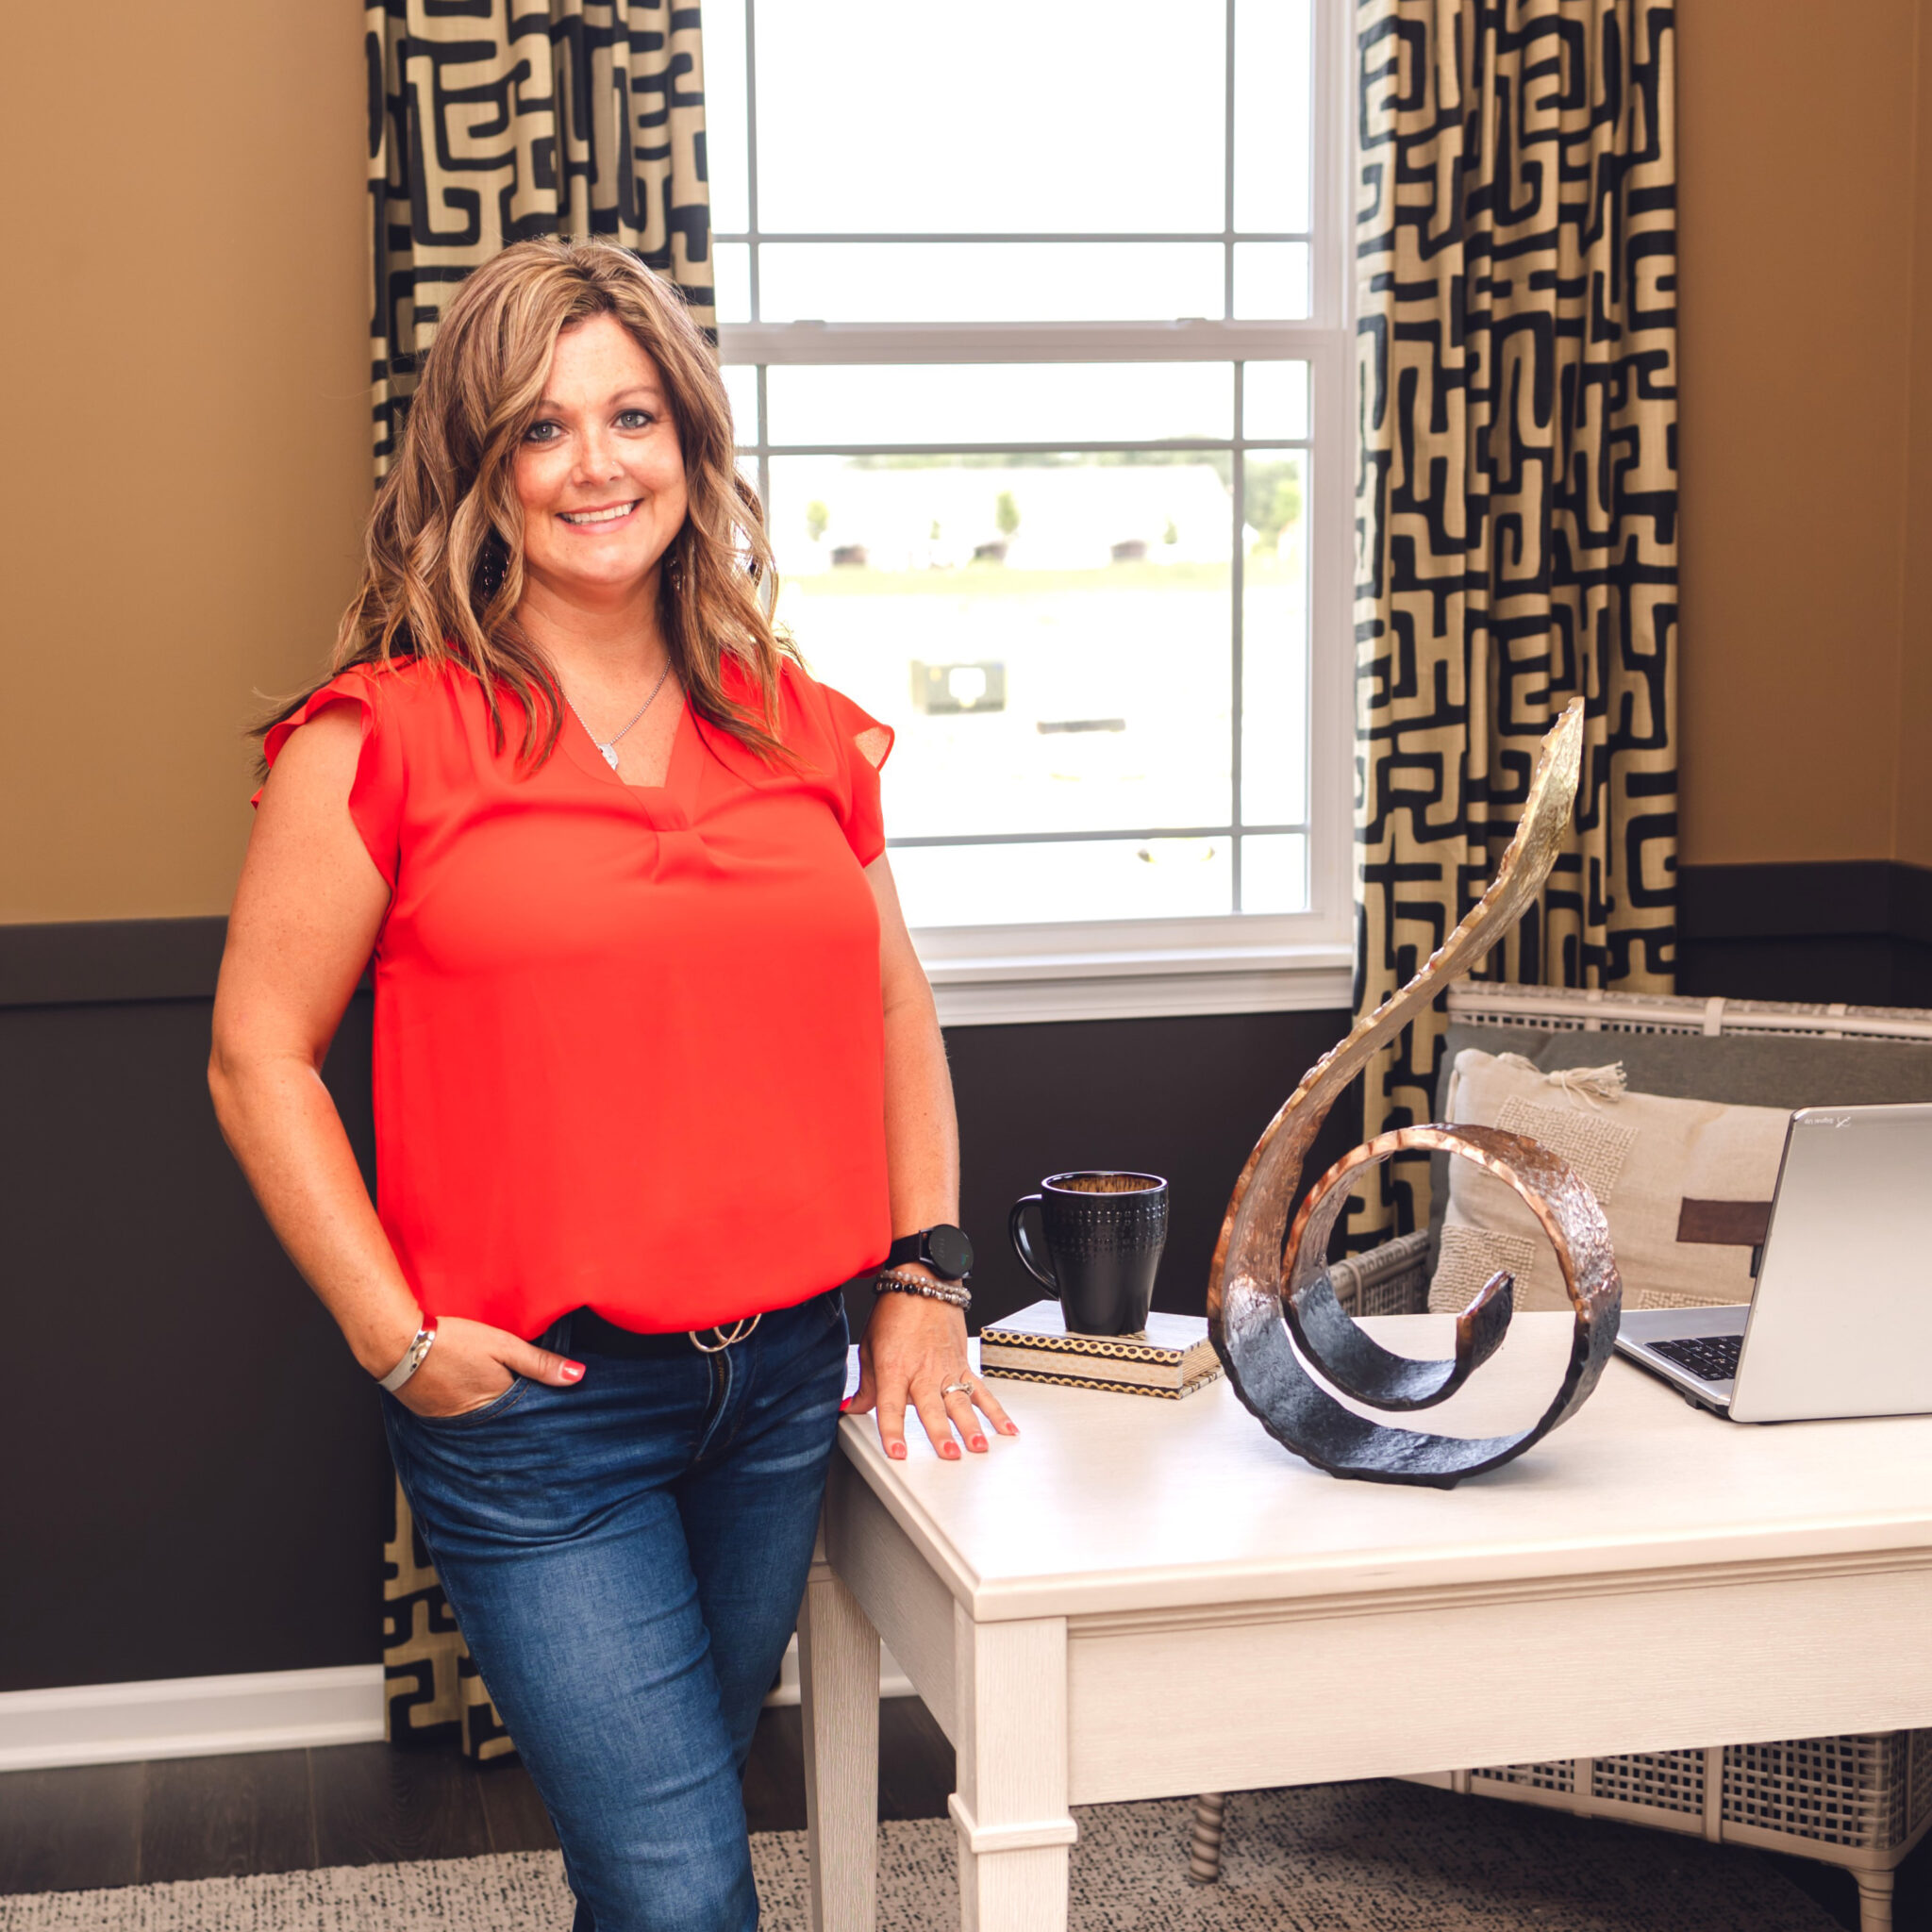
609 745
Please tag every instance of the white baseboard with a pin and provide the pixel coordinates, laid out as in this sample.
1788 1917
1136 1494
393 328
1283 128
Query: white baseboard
214 1717
189 1717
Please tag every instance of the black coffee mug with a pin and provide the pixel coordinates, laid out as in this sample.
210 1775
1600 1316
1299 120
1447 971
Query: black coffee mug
1104 1233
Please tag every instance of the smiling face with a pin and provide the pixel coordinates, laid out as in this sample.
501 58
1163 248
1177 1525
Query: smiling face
600 473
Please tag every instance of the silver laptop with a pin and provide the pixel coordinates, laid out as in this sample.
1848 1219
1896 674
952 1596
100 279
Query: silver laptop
1839 1323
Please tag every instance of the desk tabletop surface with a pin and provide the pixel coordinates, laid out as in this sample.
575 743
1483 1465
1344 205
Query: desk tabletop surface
1122 1504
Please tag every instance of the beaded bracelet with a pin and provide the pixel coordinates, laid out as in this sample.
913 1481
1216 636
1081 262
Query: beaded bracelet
954 1294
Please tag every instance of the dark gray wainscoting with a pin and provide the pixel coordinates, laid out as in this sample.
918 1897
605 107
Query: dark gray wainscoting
1859 931
195 1470
196 1477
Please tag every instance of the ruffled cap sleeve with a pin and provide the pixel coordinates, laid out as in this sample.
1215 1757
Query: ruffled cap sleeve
863 746
375 799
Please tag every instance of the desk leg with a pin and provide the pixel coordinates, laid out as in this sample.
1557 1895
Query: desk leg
839 1697
1010 1681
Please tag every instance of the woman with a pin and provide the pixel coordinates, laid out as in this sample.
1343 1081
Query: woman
655 1065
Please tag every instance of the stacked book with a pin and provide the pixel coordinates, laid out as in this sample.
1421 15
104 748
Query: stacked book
1172 1356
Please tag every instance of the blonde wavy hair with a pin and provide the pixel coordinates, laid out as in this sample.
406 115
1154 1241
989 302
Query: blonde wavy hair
443 569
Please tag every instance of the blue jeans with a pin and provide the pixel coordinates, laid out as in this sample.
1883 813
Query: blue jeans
626 1559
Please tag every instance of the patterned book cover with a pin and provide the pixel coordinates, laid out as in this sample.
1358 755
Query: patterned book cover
1171 1358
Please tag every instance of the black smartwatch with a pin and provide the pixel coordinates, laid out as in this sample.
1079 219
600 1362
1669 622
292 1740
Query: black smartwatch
945 1250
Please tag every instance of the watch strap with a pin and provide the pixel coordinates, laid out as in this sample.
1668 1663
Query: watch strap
918 1248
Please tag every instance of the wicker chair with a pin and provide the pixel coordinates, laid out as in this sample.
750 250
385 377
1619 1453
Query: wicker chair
1861 1801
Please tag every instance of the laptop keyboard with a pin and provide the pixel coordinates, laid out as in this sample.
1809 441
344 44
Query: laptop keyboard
1710 1357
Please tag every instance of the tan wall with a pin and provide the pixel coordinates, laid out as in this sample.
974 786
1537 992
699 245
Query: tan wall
185 371
1912 839
187 410
1806 392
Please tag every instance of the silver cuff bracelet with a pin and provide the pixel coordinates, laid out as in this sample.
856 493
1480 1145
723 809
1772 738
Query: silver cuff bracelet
954 1294
412 1357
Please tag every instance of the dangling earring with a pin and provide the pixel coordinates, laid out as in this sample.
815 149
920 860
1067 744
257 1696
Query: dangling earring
491 568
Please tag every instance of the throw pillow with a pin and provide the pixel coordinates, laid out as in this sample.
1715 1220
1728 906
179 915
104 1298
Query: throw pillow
1643 1157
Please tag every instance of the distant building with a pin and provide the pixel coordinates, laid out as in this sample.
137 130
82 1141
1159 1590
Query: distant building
1073 516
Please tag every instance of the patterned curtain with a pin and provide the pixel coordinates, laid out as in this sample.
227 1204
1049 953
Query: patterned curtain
1517 498
432 1690
491 121
498 120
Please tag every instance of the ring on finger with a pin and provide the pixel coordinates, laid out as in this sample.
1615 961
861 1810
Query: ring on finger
960 1388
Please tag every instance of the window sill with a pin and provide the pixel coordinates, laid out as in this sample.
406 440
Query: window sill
1020 987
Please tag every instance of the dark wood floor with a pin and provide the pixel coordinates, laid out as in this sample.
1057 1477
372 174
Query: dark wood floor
108 1825
103 1824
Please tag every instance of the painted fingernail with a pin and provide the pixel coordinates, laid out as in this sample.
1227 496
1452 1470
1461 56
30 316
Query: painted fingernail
979 1441
951 1452
573 1372
896 1451
1009 1428
846 1405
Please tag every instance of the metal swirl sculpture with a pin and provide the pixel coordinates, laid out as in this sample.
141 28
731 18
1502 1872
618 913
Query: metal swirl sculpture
1266 1289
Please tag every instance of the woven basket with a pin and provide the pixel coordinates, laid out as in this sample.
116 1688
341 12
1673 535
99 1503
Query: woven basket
1862 1802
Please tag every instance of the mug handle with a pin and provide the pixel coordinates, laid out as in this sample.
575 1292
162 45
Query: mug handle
1016 1228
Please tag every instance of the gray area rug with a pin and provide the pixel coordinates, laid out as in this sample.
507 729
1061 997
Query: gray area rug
1356 1857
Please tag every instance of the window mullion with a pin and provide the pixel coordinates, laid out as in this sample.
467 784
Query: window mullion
1235 579
764 448
819 343
1062 447
879 238
751 172
1331 134
1105 834
1228 227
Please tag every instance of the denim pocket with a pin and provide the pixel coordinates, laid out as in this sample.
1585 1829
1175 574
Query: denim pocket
496 1405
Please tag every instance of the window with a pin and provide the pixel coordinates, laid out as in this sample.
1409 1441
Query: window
1036 346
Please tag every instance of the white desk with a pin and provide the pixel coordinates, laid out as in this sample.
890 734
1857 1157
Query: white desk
1140 1599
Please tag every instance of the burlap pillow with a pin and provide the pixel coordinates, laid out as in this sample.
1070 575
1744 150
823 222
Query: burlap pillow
1642 1156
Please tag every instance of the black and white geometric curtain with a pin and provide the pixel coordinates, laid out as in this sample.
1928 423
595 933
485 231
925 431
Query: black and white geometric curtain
494 121
1515 248
490 121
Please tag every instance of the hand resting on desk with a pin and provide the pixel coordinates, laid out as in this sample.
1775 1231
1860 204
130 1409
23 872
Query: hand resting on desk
912 1351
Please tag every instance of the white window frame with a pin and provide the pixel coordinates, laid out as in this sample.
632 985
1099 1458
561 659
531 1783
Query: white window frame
1152 968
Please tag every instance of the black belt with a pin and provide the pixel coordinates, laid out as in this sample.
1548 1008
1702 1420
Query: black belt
591 1334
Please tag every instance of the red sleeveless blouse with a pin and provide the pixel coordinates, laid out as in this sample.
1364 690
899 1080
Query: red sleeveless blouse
629 1047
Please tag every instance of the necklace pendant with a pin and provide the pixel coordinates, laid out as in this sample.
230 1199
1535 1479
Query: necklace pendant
609 752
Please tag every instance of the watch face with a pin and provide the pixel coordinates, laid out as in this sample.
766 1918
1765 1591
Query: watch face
951 1251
